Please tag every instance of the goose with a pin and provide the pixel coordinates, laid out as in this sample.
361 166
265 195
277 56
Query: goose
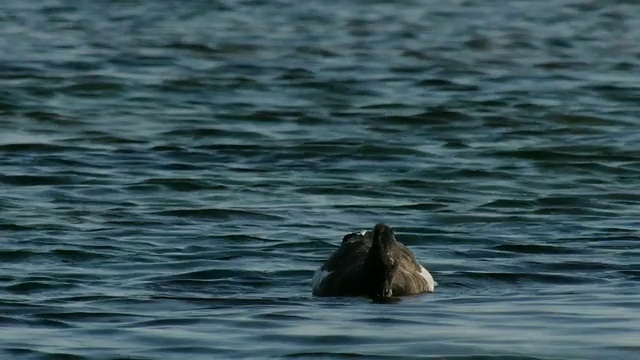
372 264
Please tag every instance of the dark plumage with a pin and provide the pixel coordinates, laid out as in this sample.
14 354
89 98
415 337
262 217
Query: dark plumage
372 264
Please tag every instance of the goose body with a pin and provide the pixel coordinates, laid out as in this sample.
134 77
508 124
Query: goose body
373 264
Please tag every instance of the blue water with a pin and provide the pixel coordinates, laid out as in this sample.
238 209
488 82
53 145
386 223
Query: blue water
172 173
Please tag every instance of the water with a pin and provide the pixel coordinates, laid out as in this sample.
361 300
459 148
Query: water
172 173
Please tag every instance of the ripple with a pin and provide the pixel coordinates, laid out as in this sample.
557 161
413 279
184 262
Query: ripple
36 148
536 249
16 255
169 190
178 184
37 286
521 278
14 351
214 213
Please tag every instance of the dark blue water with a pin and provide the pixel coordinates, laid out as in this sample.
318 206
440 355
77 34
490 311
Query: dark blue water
172 173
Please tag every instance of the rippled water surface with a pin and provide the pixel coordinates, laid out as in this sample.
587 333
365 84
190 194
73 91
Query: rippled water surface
172 173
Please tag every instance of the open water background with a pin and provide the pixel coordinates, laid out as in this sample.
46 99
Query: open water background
172 173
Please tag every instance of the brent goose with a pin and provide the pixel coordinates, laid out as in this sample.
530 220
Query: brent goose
374 264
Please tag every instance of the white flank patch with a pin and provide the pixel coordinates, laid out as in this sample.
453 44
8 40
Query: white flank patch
431 284
318 277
